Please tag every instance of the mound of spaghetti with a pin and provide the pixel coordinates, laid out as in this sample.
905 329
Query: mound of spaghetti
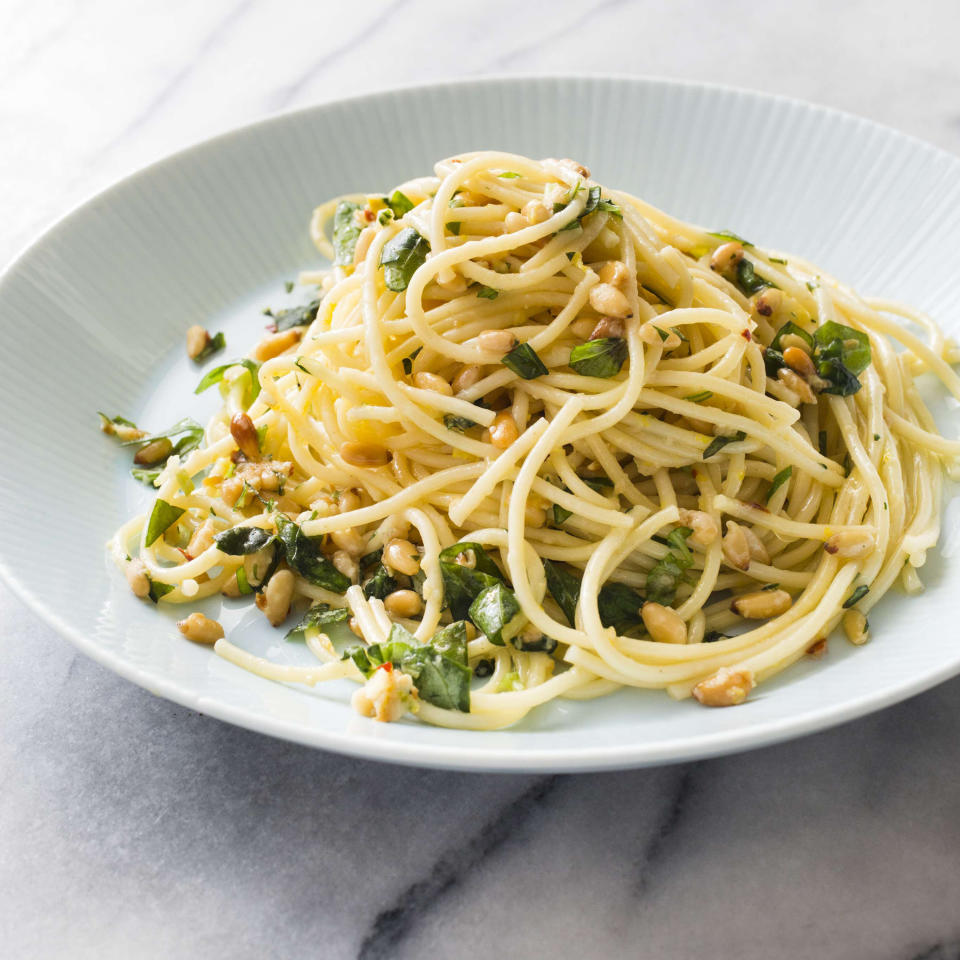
532 438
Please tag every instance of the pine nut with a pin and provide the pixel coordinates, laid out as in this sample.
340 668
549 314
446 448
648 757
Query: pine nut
514 221
496 341
350 542
615 272
726 688
467 377
345 564
799 360
767 302
200 629
231 588
431 381
758 550
797 384
349 501
582 329
535 211
793 340
197 340
244 434
606 327
230 490
762 604
856 628
726 256
663 623
607 300
275 598
403 603
274 345
202 539
402 556
503 430
364 454
736 547
138 578
578 168
706 527
153 453
851 544
650 333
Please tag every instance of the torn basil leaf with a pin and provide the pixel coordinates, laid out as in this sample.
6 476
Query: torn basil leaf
778 481
564 587
491 611
599 358
748 280
146 475
399 203
380 584
666 575
163 516
856 596
401 257
791 329
454 227
841 354
459 424
346 229
216 376
304 557
240 541
718 443
158 589
216 343
301 316
525 362
487 293
729 235
541 644
321 616
619 606
560 515
462 584
699 397
186 432
451 641
407 361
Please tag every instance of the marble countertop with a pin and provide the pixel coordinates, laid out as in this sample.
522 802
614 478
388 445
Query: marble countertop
131 827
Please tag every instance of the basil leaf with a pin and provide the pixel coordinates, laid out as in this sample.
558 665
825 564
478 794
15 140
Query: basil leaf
188 430
524 361
217 342
718 443
841 353
492 609
451 641
560 514
593 198
619 606
321 616
146 476
346 230
240 541
454 227
304 557
163 516
399 203
599 358
699 397
667 573
564 587
216 375
600 484
407 361
158 590
461 584
856 596
301 316
488 293
773 361
677 541
748 280
791 329
729 235
380 584
459 424
107 423
369 559
778 481
401 257
508 175
542 644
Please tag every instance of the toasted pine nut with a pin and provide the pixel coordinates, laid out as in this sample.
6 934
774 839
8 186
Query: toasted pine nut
796 383
726 688
403 603
650 333
799 360
706 527
736 547
608 300
761 604
349 501
726 256
851 544
514 221
274 600
496 341
230 490
197 339
402 556
466 378
345 564
663 624
856 628
575 167
535 211
503 430
231 588
202 539
200 629
817 649
431 381
349 541
793 340
244 434
364 454
767 302
275 344
615 272
153 453
138 578
606 327
758 549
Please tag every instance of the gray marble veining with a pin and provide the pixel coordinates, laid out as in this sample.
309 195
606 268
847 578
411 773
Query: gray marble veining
130 827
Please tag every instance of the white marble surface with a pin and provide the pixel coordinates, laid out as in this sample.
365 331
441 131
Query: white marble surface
130 827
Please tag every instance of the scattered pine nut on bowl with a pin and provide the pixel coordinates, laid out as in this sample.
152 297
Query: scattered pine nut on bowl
526 437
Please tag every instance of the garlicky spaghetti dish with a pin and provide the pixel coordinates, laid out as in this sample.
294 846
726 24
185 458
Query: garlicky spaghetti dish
530 437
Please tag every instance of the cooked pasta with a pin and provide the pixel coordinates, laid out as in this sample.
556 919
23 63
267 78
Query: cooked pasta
533 438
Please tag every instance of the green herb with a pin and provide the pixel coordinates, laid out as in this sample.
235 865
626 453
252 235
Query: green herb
158 589
483 669
147 476
408 361
301 316
319 616
163 516
791 329
524 361
240 541
346 229
508 175
729 235
619 605
667 573
841 354
677 541
488 293
876 436
564 587
599 358
458 424
369 559
599 484
288 286
303 557
216 375
699 397
401 257
778 481
243 586
217 342
718 443
380 584
856 596
560 515
492 609
454 227
542 644
384 216
776 260
187 433
399 203
107 424
462 584
748 280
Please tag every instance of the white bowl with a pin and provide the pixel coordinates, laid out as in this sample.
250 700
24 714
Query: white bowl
94 315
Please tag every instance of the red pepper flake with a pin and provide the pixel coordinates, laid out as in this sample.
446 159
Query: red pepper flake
368 215
271 327
759 506
184 552
388 666
746 335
